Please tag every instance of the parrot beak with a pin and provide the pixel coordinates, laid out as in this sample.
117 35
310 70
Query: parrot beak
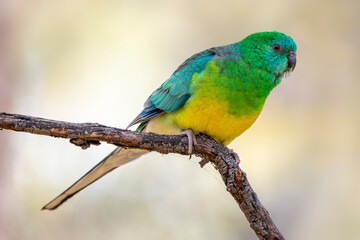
291 60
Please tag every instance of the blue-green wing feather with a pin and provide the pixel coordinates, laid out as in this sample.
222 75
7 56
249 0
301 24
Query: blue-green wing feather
174 92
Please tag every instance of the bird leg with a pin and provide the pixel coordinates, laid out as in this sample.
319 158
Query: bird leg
191 138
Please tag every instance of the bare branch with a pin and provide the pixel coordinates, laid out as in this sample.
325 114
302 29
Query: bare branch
86 134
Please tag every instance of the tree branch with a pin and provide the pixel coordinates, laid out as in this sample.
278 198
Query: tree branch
86 134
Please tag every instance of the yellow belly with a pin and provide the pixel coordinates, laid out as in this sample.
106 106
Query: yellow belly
206 116
211 118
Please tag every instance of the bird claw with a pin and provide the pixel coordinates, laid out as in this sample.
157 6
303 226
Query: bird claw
191 138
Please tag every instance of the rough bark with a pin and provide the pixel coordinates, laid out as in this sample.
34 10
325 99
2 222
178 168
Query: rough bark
86 134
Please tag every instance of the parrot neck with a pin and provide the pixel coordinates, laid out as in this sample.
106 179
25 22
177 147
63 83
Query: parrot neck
247 87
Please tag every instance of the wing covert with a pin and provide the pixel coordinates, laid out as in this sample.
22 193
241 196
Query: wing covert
175 91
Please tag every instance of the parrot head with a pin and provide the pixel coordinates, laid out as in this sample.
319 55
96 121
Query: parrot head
273 52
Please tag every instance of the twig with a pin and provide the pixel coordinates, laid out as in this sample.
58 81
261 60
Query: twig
86 134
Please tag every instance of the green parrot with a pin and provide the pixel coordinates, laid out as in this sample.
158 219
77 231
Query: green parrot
219 92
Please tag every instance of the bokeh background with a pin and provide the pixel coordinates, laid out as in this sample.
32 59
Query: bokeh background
98 61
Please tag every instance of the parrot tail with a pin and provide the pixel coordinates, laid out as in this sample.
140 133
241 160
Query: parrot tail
116 158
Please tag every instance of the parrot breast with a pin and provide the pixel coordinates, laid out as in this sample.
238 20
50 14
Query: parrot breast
220 105
208 116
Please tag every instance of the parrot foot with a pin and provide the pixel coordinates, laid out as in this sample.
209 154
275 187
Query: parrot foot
191 138
236 156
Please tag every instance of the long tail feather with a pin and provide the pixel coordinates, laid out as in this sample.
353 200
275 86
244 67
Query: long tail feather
116 158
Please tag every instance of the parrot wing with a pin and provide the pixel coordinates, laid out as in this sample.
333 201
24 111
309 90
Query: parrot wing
174 92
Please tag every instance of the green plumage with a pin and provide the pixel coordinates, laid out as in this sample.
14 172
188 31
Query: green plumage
247 72
219 92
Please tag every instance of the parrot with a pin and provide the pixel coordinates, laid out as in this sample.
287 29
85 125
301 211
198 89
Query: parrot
219 92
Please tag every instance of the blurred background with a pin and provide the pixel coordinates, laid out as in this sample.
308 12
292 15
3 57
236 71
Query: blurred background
98 61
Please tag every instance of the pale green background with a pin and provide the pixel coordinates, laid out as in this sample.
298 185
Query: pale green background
98 61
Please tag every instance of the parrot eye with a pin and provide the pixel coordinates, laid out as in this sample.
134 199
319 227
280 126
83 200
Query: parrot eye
277 48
